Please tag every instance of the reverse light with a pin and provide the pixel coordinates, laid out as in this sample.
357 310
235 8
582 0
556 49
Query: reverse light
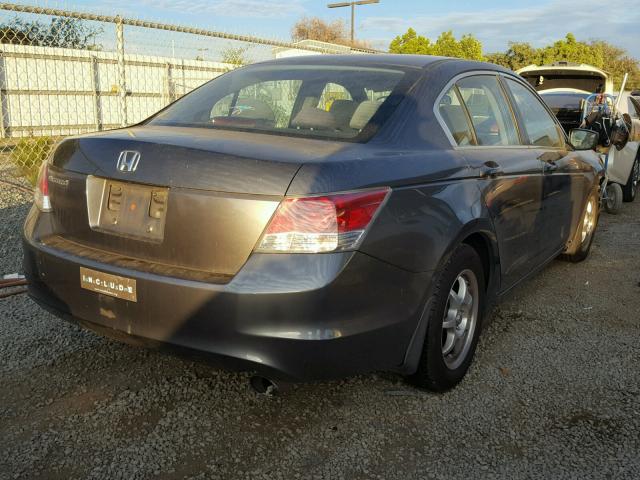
41 193
321 224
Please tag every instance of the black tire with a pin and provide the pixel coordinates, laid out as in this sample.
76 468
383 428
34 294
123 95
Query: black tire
613 200
630 190
433 373
579 248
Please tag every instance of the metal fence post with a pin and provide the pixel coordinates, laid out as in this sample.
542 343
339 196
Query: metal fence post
4 107
96 93
122 84
183 90
168 84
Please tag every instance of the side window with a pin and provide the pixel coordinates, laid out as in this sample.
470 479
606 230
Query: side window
539 126
452 112
490 113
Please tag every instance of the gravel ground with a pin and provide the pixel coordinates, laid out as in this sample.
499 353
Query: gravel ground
554 392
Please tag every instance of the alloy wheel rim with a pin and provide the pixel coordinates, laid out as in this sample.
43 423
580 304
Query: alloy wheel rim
460 318
589 221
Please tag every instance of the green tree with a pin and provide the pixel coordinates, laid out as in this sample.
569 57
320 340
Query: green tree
571 50
471 48
617 62
411 42
598 53
446 45
235 57
60 32
28 155
518 55
521 54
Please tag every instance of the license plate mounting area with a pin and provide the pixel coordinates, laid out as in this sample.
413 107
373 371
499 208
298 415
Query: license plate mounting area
127 209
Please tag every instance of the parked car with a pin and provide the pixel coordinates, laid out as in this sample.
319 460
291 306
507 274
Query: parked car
567 76
310 237
566 106
565 87
630 154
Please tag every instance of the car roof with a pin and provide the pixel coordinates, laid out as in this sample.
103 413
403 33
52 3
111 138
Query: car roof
382 59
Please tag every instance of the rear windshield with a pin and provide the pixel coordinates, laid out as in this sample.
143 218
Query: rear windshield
344 103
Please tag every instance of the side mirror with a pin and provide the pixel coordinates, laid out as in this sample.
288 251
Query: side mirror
583 139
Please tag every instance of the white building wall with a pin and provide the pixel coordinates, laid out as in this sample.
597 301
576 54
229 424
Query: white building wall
57 91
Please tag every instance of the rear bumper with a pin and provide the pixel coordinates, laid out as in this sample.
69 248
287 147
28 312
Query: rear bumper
298 317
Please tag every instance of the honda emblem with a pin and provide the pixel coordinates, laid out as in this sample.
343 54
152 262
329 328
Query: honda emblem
128 161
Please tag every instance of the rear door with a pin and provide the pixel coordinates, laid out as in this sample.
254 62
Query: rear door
484 129
565 185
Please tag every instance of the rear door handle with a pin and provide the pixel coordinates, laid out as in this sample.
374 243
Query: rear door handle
491 169
550 167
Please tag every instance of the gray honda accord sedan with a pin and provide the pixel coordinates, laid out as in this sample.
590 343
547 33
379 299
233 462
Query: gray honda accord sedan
315 217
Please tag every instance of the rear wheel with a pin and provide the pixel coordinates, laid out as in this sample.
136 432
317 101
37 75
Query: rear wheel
630 190
580 245
454 322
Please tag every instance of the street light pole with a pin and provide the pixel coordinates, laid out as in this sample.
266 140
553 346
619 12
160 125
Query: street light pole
353 22
353 12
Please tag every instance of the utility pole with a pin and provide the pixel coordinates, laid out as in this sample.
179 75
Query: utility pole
353 12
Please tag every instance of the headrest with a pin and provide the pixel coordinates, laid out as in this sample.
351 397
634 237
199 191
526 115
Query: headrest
342 111
312 117
363 114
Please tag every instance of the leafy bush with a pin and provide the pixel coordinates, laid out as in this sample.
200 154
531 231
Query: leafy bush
61 32
28 155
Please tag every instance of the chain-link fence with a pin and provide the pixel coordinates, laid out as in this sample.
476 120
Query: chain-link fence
64 73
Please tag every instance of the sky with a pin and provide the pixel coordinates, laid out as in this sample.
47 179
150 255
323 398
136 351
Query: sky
494 22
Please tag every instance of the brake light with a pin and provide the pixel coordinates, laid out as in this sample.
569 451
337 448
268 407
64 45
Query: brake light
41 194
322 224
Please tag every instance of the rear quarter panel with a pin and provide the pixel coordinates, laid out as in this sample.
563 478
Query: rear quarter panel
421 224
434 198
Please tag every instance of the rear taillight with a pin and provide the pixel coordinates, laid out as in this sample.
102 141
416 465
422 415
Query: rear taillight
41 194
321 224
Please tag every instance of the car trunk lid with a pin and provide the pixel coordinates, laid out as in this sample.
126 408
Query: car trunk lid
195 158
567 76
194 207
